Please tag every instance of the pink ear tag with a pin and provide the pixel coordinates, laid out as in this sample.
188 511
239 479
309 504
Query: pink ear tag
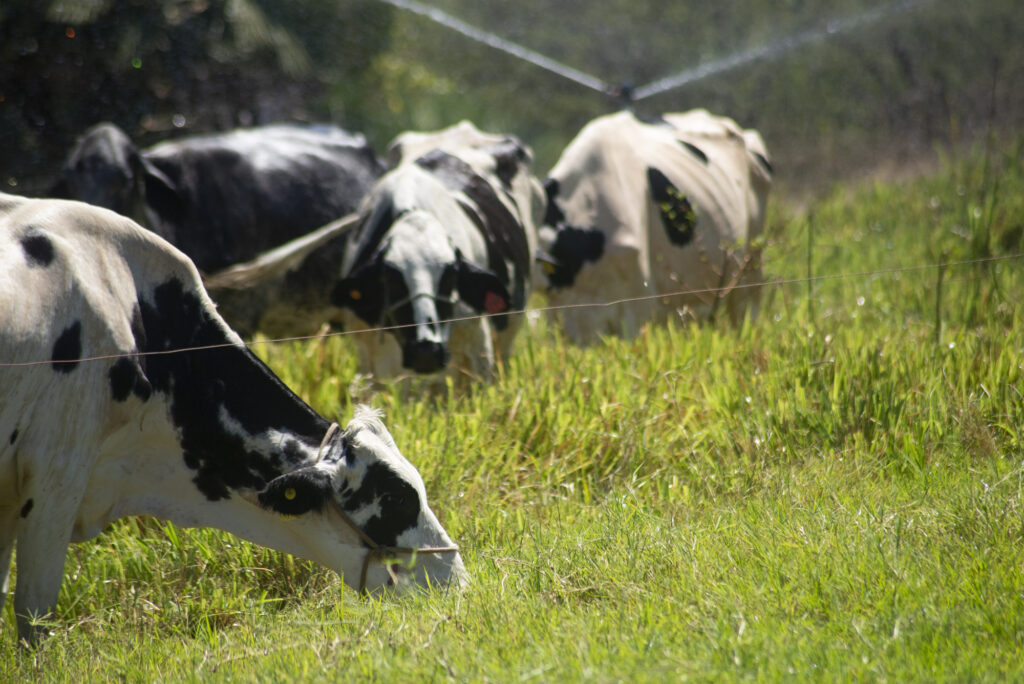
494 303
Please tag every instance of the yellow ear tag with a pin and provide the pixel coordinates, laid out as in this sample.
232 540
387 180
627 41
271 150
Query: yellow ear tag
289 493
355 294
548 267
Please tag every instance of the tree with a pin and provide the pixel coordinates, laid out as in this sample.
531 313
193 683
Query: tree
157 68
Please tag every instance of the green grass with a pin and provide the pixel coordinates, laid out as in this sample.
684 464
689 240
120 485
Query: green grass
830 492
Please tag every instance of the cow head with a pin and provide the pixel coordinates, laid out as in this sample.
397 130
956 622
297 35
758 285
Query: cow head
565 247
412 284
375 498
106 169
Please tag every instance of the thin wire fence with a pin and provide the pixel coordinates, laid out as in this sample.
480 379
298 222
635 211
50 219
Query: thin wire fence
778 282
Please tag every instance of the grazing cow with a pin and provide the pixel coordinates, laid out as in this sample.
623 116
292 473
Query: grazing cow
640 208
101 418
448 233
224 198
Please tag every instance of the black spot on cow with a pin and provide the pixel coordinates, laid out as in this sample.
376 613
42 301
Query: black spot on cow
571 249
203 383
677 214
293 452
509 156
399 503
553 214
67 350
38 248
373 228
126 378
695 151
14 436
27 508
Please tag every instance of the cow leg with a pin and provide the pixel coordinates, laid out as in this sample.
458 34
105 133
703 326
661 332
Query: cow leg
44 533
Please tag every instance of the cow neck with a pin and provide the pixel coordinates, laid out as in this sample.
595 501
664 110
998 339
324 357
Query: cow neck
221 398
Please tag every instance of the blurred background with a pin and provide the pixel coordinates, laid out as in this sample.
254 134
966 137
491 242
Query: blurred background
840 89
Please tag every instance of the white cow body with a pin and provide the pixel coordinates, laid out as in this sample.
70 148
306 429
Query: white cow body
203 438
602 184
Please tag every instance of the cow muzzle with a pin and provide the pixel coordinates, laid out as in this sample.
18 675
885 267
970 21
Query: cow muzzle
424 356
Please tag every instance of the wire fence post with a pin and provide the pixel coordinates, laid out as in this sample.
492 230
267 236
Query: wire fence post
938 298
810 267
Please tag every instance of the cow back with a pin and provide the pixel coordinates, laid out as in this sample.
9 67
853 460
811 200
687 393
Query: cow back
244 192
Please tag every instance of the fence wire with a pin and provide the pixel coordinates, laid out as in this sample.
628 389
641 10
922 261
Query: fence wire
778 282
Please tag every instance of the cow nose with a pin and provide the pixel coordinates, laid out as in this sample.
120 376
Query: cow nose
424 356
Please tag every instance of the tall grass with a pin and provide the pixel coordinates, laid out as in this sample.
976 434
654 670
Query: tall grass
830 491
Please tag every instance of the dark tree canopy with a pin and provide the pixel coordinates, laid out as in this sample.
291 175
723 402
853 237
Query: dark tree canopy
163 67
919 75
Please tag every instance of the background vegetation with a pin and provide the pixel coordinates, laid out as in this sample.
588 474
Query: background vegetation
930 73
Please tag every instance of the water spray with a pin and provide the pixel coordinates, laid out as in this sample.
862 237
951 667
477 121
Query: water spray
499 43
625 94
774 50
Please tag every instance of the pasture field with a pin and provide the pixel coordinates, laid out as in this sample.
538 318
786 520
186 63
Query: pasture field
833 491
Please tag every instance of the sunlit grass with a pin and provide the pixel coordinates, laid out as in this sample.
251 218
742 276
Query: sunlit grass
832 491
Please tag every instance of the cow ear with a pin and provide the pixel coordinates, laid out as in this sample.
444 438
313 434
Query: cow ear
297 492
161 193
480 288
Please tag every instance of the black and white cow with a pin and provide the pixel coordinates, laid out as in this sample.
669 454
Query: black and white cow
448 233
100 418
640 208
224 198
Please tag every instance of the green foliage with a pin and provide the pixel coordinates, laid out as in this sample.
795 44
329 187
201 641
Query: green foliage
934 73
831 491
160 68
